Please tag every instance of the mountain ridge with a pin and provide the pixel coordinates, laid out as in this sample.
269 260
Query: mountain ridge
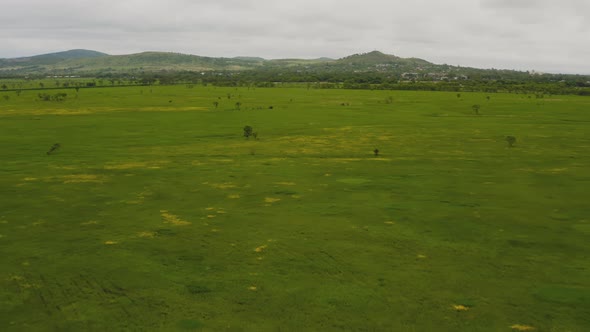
90 62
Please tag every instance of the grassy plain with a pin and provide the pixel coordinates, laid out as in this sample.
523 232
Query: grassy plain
156 214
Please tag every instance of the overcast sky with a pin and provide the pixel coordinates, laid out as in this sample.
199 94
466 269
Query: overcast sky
543 35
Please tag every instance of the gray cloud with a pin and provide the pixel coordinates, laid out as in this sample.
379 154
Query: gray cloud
544 35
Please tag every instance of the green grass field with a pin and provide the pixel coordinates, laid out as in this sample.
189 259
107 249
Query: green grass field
156 213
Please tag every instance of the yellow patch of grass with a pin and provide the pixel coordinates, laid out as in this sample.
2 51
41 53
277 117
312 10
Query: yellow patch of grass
28 285
126 165
91 222
261 248
56 111
389 222
227 185
223 160
136 164
315 140
286 183
173 219
384 137
209 208
82 178
557 170
147 235
345 160
233 196
30 179
460 307
22 282
69 168
520 327
16 278
110 242
253 288
271 199
166 108
211 216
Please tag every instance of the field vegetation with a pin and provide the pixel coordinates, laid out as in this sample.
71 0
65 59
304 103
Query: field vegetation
157 208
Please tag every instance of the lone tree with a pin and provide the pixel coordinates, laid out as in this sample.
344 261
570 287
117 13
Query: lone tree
511 140
238 104
216 103
376 152
476 108
248 131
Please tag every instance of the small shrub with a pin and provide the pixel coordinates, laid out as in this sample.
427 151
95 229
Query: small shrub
248 131
511 141
53 148
476 109
198 289
61 96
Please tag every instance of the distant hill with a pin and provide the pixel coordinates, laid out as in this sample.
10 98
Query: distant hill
53 57
71 54
157 61
249 58
45 61
374 57
386 66
377 61
89 62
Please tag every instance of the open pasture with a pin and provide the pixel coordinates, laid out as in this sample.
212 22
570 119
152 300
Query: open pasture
155 213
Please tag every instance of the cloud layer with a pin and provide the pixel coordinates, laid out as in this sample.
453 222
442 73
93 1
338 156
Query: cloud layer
544 35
